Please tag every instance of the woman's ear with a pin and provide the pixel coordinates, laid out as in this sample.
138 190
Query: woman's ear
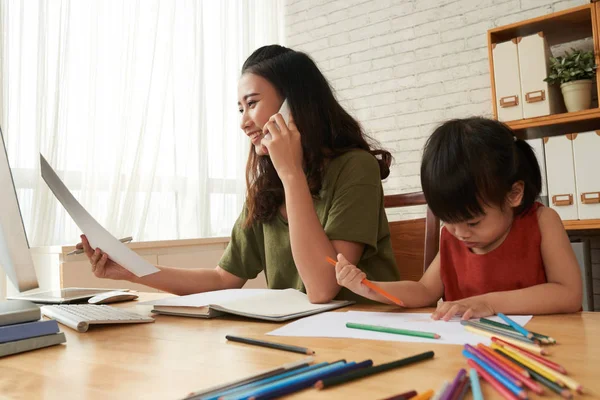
515 197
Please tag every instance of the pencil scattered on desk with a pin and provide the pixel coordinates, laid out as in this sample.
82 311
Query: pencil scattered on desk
397 331
326 383
278 346
373 286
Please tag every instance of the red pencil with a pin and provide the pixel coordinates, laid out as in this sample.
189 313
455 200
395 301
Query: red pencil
506 366
372 286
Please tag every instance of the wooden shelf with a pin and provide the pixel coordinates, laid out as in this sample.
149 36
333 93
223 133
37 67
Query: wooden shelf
579 225
560 27
557 124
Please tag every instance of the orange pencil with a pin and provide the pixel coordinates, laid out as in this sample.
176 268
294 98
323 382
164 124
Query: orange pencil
519 370
507 394
372 286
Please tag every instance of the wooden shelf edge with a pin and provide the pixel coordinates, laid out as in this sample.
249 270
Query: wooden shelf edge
579 225
558 124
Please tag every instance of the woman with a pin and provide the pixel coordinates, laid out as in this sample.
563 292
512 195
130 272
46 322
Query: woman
314 190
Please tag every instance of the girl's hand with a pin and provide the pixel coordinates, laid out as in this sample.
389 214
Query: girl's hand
284 147
472 307
350 276
102 266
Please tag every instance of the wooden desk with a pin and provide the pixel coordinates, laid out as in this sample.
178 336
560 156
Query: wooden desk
174 356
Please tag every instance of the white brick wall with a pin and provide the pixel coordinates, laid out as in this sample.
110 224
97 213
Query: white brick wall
403 66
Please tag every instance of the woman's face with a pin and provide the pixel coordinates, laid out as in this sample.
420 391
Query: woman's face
258 100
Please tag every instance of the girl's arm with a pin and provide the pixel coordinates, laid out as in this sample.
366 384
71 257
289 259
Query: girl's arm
426 292
563 292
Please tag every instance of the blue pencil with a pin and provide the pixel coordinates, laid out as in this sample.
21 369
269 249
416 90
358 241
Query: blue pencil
519 392
475 388
298 383
225 392
264 390
517 327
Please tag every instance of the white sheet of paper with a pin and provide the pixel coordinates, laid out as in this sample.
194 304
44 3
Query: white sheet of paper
96 234
333 325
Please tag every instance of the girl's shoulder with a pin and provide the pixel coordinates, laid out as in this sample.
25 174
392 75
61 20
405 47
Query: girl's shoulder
548 219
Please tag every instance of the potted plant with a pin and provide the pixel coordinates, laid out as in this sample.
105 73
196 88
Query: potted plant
574 72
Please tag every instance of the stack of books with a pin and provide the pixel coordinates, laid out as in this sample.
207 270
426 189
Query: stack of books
22 330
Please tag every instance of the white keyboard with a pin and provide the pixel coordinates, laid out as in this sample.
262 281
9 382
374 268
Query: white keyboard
81 316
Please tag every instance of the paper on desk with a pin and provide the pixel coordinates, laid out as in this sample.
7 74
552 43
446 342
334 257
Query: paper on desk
333 325
96 234
207 298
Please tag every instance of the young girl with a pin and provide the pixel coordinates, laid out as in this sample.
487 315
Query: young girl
500 250
314 190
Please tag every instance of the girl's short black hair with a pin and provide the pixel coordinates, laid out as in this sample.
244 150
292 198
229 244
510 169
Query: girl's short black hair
475 161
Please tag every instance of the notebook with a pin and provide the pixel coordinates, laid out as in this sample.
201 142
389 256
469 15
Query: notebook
276 305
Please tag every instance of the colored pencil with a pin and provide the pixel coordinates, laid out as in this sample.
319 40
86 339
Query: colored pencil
507 394
565 393
508 367
403 396
495 365
278 346
527 362
397 331
295 384
548 363
249 379
528 346
449 393
500 331
373 286
438 395
516 326
326 383
239 389
475 387
462 389
542 338
508 364
424 396
265 390
507 383
568 381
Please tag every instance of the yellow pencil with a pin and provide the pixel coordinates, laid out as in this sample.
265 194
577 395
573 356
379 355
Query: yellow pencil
531 347
525 362
568 381
423 396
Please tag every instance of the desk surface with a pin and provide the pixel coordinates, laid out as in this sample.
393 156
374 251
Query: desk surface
175 355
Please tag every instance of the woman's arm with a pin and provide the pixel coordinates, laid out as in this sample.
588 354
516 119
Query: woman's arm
182 281
310 245
563 291
179 281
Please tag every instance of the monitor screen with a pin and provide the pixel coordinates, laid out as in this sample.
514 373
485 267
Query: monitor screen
15 257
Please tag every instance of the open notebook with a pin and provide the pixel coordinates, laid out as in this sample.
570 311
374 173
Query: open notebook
267 304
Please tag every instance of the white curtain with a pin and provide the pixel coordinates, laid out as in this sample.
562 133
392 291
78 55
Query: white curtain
134 103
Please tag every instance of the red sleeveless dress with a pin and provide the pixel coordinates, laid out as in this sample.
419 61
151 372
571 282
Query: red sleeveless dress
515 264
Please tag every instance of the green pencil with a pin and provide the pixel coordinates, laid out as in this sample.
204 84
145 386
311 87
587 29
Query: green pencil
396 331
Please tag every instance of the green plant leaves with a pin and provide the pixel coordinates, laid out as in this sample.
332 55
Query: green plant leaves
573 66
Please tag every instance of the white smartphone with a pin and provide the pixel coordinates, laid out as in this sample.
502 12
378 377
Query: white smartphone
285 112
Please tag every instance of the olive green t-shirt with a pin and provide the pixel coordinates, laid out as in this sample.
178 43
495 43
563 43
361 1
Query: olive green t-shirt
349 207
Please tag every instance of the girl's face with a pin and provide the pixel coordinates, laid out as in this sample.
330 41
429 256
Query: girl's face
486 232
258 100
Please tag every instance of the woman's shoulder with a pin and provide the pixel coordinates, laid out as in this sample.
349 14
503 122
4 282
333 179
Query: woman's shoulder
357 162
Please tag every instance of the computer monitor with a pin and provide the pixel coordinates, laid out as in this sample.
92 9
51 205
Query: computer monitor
15 255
